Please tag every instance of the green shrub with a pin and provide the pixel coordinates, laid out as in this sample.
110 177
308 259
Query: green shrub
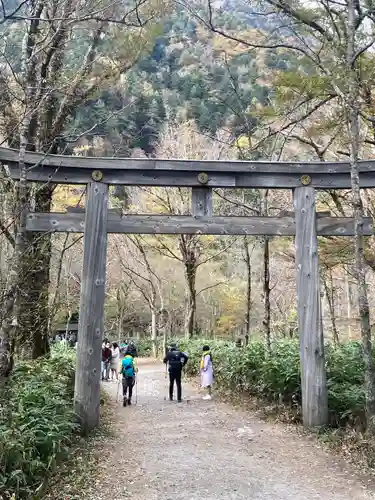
277 376
280 372
144 348
36 423
345 378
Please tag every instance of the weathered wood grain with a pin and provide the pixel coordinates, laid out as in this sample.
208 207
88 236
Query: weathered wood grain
313 374
201 202
181 224
184 173
101 163
81 210
290 213
180 178
91 316
282 213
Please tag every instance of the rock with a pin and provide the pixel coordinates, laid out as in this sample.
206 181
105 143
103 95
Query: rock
245 430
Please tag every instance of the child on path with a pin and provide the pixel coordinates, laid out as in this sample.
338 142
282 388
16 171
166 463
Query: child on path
207 371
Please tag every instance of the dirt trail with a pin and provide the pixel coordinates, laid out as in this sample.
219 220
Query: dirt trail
207 449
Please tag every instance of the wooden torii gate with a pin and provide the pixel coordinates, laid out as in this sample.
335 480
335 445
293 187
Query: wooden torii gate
202 176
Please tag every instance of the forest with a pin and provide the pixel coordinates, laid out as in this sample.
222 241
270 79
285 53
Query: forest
201 80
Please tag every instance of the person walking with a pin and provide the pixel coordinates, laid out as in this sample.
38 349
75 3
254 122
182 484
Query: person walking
106 360
115 360
128 372
175 360
103 358
123 347
131 349
207 371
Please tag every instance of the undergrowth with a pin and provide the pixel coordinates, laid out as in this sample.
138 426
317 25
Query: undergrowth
77 476
271 383
36 423
144 348
276 376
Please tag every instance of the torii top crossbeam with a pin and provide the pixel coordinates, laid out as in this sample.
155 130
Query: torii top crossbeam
187 173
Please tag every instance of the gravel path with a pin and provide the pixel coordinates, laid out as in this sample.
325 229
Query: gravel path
207 449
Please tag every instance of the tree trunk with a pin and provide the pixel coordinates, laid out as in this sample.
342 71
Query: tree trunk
56 296
330 294
349 301
120 321
354 132
154 332
165 340
12 317
191 300
267 291
163 324
40 280
266 278
248 290
29 337
6 357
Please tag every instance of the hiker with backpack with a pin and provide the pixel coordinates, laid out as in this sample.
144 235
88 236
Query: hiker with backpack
175 360
128 371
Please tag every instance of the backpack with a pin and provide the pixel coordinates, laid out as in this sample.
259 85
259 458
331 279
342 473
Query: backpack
127 367
174 360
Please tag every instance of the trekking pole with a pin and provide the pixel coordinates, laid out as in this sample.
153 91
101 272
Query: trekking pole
136 391
118 389
166 382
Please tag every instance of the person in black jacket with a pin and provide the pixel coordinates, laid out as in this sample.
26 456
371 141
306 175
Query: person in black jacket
131 349
176 360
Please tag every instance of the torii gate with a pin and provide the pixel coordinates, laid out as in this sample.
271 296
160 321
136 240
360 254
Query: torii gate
202 176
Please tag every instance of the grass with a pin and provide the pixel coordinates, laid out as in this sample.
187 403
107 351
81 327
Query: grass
37 425
82 467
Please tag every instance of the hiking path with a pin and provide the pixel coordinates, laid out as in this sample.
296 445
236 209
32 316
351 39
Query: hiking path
198 449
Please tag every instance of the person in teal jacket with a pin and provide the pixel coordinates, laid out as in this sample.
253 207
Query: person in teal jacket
128 372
